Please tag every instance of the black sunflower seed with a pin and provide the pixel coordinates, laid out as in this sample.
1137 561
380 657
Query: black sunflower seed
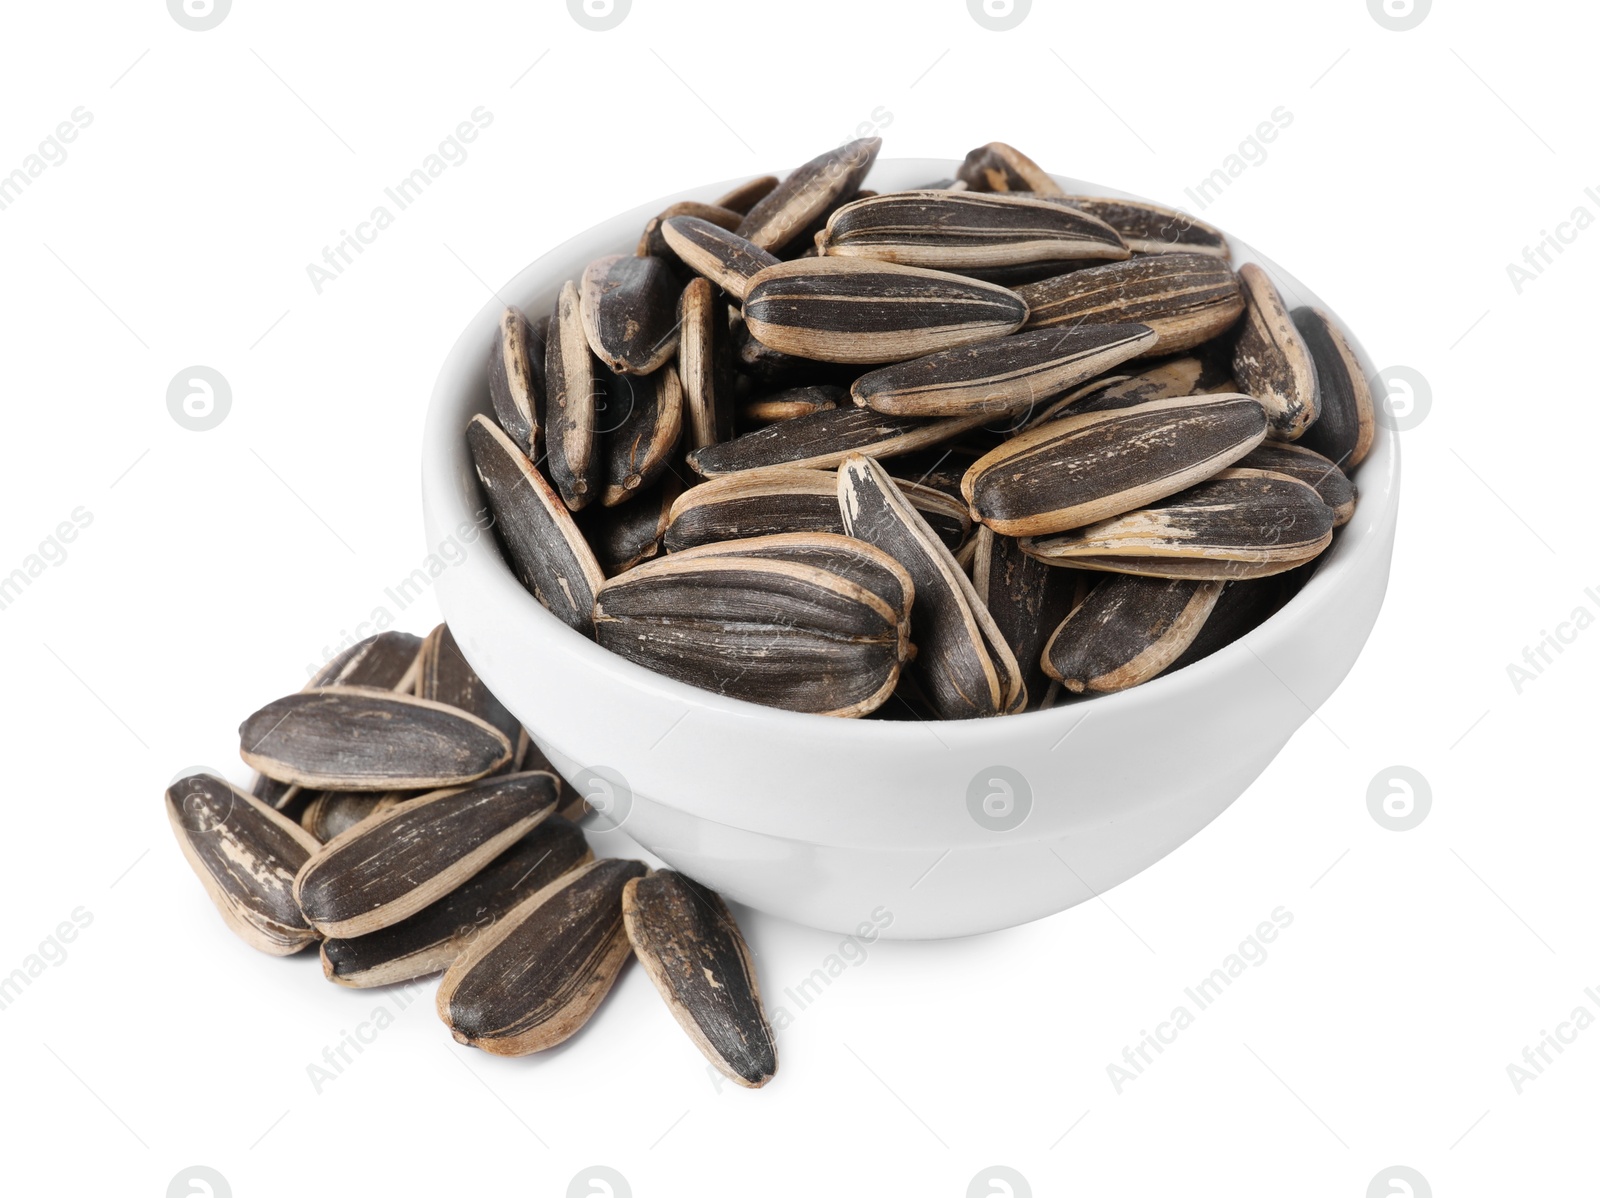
861 311
1079 469
1242 607
1167 378
1127 631
1185 298
745 196
572 395
652 243
630 533
538 974
516 389
333 812
447 677
792 402
1026 598
434 937
355 738
1151 229
705 365
724 258
824 439
386 660
639 448
809 191
999 167
1271 360
392 865
1344 428
545 549
1309 466
690 947
246 855
629 307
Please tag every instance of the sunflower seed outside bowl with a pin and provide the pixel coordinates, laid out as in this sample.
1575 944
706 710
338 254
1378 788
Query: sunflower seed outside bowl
1309 466
1347 419
546 550
1185 298
434 937
1080 469
515 389
808 192
1271 360
389 867
334 812
1127 631
690 947
539 973
447 677
353 738
866 312
1001 375
386 660
246 855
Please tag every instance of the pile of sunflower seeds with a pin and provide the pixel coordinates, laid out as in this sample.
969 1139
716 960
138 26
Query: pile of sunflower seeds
402 819
977 447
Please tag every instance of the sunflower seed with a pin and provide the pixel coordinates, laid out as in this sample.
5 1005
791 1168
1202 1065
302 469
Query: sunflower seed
514 389
447 677
807 193
536 976
1309 466
1168 378
1026 598
1185 298
245 855
1151 229
434 937
1003 375
1238 524
725 258
355 738
653 244
1345 426
1127 631
1271 360
705 365
963 662
629 307
785 634
690 947
546 551
999 167
1080 469
781 499
792 402
390 866
638 449
824 439
333 812
745 196
954 230
572 395
386 660
630 533
860 311
1242 607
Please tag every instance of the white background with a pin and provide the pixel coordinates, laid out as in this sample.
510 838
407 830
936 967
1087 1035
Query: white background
220 565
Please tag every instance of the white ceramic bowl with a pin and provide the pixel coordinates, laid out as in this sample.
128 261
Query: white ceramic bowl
833 822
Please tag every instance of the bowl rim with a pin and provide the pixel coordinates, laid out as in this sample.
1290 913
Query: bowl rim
445 505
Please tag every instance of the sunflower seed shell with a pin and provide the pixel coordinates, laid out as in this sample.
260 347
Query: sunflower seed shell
638 450
1271 360
1186 298
515 389
1310 467
809 192
999 167
1026 598
629 307
723 257
1152 229
824 439
1127 631
1347 422
573 392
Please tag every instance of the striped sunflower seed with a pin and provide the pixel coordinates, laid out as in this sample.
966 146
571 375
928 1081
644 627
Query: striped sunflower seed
638 449
546 551
630 533
824 439
745 196
692 950
538 974
963 662
781 633
1271 360
999 167
723 257
1080 469
1168 378
1026 598
705 365
516 390
1310 467
653 244
1127 631
434 937
1185 298
1347 421
809 192
447 677
355 738
1003 375
792 402
1241 608
386 660
782 499
390 866
572 393
861 311
629 309
246 856
1238 524
333 812
1151 229
955 230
